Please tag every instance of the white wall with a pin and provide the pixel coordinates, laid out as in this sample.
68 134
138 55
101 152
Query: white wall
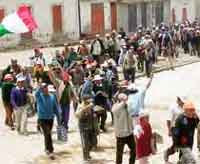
107 15
71 20
42 12
86 15
198 9
188 4
122 16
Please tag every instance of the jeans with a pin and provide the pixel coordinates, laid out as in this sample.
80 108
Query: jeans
47 126
121 142
21 117
65 112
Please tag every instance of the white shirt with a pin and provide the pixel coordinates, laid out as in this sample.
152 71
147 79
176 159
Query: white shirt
174 112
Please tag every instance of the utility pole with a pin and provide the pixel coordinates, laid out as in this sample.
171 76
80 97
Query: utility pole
79 17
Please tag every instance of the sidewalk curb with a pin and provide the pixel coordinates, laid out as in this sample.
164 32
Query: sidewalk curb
164 68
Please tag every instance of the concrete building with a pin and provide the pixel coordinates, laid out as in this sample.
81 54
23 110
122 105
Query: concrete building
182 10
132 13
98 16
55 19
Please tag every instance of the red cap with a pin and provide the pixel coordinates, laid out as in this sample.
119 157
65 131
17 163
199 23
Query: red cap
8 77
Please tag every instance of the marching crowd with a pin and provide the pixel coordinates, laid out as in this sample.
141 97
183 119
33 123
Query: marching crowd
87 78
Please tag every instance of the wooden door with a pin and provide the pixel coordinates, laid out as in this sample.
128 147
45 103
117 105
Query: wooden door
27 35
57 18
132 17
113 7
97 20
184 14
2 14
173 16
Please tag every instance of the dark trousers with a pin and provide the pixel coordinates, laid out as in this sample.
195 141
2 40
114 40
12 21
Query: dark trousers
9 114
148 67
171 150
121 142
141 63
129 74
88 140
47 126
102 116
65 115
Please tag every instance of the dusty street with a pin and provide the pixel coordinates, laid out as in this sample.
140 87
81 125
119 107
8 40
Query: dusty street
166 85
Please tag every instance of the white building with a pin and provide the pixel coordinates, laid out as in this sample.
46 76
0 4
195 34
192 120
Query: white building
147 13
54 18
182 10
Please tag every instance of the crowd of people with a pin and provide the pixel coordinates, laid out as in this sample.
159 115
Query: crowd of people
89 79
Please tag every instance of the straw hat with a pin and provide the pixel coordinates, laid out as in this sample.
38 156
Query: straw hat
97 78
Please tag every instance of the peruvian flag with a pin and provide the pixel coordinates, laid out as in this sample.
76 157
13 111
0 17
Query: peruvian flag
19 22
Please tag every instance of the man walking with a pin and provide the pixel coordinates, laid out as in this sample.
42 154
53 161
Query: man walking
123 129
7 86
19 103
47 107
184 132
175 111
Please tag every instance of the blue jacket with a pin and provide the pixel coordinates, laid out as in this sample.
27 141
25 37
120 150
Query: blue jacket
47 106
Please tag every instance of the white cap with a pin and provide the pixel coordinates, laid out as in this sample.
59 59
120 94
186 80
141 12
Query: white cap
183 98
20 77
51 88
